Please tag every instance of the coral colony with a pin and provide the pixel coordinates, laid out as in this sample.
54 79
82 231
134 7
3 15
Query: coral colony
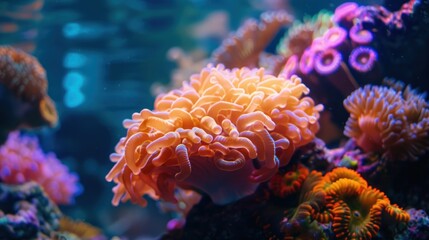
236 152
208 132
242 134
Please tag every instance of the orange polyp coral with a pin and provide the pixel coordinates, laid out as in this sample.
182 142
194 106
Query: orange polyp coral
337 174
397 213
349 224
358 214
342 197
389 121
206 134
356 207
290 182
342 172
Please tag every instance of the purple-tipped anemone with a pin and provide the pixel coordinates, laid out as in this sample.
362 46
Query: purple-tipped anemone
344 11
335 37
327 62
363 59
306 63
359 35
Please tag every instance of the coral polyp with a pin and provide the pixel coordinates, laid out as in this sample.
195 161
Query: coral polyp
344 199
388 121
206 134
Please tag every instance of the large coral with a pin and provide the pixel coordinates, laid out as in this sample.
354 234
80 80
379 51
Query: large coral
223 132
22 160
393 121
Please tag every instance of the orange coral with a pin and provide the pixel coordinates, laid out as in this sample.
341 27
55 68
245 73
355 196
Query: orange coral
290 182
339 173
206 134
350 223
386 120
344 198
356 208
25 79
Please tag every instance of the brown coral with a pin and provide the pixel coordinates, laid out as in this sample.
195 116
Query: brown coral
22 74
25 80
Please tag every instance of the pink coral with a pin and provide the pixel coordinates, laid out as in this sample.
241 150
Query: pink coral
22 160
223 132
